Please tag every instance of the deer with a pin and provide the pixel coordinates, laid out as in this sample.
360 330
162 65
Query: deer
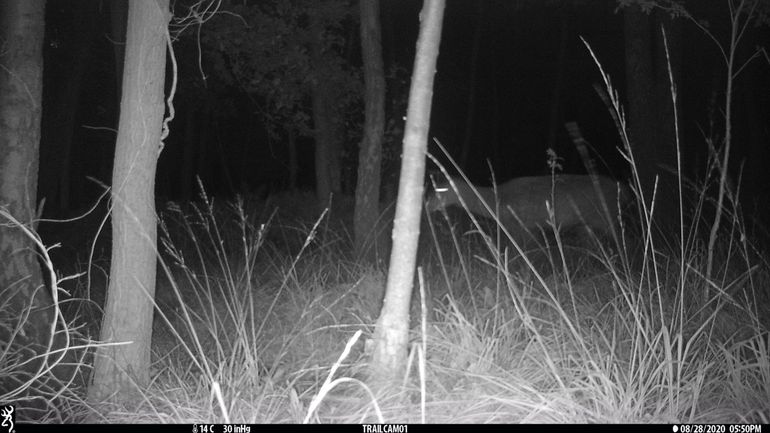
590 203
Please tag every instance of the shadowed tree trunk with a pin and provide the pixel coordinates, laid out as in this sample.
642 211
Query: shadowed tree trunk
327 155
291 135
392 330
650 109
470 110
26 309
120 369
367 208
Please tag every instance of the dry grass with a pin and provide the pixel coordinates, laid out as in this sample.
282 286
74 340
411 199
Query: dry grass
247 333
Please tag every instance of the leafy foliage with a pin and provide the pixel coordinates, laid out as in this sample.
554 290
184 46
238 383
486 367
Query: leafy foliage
265 50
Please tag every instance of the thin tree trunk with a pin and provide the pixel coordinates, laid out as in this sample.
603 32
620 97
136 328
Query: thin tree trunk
392 330
327 158
470 111
640 90
367 208
736 30
293 161
662 107
122 370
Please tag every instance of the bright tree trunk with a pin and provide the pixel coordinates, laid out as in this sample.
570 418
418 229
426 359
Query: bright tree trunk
370 155
392 331
120 369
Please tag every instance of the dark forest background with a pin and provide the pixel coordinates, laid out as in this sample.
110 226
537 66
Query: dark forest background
509 75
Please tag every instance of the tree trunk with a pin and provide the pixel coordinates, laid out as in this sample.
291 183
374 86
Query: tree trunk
663 109
470 110
367 208
650 113
639 87
121 370
26 312
293 161
327 157
392 330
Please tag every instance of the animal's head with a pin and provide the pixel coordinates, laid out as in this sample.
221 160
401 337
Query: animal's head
440 193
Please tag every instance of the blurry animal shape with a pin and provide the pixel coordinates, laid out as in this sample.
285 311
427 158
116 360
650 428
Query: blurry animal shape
578 202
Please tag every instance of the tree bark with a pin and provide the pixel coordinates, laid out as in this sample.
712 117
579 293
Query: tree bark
470 110
327 157
291 135
26 311
121 370
650 111
392 330
367 207
639 87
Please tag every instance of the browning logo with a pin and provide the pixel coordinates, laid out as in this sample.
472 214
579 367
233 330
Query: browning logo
7 419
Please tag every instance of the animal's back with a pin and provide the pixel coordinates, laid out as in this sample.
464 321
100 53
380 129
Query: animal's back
576 201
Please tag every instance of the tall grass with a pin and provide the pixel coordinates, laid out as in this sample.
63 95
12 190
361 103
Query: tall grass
247 331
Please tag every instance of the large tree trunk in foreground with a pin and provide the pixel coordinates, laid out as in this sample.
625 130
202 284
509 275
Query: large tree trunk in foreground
392 332
122 370
370 155
26 311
